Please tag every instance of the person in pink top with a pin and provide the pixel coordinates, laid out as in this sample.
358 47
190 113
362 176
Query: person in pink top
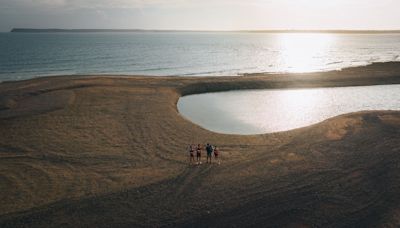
191 154
217 154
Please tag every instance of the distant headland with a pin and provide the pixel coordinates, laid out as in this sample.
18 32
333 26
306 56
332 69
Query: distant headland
55 30
52 30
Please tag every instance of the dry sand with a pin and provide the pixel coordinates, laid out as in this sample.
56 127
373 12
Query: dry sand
105 151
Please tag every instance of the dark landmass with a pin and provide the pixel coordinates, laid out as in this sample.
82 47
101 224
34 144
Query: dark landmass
109 151
32 30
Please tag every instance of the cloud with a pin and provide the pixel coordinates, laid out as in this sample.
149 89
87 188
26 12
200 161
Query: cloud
200 14
89 4
122 4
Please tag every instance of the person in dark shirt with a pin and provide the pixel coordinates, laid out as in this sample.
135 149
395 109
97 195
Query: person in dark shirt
209 150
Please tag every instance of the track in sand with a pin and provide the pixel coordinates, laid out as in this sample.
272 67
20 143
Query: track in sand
109 151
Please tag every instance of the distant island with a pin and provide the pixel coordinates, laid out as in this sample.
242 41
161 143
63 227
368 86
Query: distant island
53 30
32 30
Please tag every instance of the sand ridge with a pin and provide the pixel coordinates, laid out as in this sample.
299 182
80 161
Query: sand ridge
110 151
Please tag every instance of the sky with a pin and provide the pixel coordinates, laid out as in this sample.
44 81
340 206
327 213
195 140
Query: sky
201 14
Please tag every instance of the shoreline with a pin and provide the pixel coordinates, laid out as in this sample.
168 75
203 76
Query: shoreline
371 66
110 151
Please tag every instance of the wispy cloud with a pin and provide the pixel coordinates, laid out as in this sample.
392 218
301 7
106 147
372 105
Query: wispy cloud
124 4
201 14
84 4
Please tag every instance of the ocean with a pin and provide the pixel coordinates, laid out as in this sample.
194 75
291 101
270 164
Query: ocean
28 55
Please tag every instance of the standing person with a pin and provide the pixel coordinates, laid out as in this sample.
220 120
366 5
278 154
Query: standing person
216 154
198 154
191 154
209 150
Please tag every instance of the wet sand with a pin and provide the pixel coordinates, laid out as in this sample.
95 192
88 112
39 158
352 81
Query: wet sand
105 151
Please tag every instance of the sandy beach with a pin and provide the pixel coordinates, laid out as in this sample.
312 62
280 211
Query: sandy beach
109 151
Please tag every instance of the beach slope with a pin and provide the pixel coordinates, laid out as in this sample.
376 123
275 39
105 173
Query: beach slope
103 151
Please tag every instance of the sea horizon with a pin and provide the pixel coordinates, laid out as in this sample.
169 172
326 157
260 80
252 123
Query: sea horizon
78 30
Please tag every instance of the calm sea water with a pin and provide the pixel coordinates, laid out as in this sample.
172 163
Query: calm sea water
266 111
27 55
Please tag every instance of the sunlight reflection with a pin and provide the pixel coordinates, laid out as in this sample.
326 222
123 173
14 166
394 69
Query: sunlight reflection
293 106
305 103
303 52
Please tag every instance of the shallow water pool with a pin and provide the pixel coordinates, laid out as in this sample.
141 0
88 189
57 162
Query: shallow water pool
265 111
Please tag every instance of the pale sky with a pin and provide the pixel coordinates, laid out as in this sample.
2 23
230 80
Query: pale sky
201 14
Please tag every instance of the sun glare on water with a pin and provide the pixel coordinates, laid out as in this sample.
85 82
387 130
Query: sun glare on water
292 108
304 52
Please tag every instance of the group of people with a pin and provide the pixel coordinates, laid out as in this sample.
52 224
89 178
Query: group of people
210 150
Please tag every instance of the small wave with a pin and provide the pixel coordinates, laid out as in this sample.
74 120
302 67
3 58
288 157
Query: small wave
227 72
332 63
158 69
373 59
203 73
